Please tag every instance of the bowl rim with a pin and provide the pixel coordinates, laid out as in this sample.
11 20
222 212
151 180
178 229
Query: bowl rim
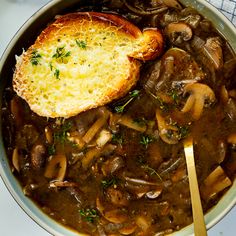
55 228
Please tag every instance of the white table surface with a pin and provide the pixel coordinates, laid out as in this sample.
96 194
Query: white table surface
13 221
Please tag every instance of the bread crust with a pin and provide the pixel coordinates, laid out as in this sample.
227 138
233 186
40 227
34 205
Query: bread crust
49 98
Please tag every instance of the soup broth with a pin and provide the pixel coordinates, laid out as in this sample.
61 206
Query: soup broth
120 169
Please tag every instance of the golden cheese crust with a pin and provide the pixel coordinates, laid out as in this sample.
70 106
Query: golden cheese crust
82 61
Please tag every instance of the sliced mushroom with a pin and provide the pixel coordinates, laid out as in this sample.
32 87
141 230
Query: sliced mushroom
112 165
171 73
178 32
128 229
38 156
153 194
143 222
115 215
216 181
117 197
89 157
212 49
15 159
167 132
27 136
129 122
224 95
199 94
56 168
93 130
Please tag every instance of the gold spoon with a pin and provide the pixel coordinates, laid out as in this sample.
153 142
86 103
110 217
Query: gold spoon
198 217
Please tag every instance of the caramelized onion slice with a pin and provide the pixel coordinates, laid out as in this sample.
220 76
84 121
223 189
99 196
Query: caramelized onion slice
15 159
48 134
127 121
140 11
232 139
212 49
171 73
56 168
215 183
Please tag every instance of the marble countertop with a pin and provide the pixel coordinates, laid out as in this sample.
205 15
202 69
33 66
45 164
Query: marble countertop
13 220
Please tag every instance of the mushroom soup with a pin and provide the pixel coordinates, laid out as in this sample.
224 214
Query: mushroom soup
120 169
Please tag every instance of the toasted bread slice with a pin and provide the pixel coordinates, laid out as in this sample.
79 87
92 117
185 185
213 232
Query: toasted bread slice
82 61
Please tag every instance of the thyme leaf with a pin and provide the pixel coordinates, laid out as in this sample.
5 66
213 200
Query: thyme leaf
61 53
117 138
61 135
145 140
132 95
106 183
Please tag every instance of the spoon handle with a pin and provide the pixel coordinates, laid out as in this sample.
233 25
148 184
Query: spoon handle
198 217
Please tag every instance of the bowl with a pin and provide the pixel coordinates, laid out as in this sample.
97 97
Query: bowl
23 39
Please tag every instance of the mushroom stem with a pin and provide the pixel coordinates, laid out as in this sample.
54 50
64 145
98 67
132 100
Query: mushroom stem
199 93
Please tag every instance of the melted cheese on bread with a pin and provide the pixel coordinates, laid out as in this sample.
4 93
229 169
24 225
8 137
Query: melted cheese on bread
81 61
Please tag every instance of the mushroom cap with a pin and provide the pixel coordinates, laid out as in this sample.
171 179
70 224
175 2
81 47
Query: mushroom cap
199 93
179 30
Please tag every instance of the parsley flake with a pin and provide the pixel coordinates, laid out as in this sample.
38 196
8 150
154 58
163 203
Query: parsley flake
57 73
106 183
61 53
89 215
35 57
80 43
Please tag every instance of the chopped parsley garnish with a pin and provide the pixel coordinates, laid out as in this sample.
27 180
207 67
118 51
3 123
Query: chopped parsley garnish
145 140
106 183
117 138
150 170
61 135
80 43
133 94
89 215
57 73
146 167
61 53
163 105
51 66
174 95
51 150
183 131
35 57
